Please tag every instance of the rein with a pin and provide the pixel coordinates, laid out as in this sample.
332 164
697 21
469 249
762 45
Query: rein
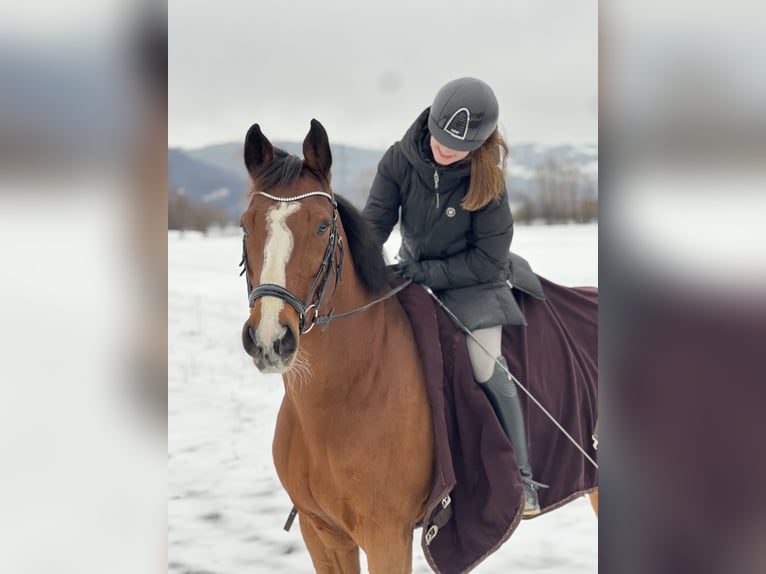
318 285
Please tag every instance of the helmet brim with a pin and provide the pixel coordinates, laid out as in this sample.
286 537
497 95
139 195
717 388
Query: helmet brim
448 140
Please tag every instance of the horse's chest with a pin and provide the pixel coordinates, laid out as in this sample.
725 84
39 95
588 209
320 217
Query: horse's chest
313 475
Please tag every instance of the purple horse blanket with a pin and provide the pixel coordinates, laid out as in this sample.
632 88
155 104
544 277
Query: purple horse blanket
476 500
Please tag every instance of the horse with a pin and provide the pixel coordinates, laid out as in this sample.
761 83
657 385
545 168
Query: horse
353 439
353 445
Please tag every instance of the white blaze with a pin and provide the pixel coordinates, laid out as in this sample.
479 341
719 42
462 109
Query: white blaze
276 254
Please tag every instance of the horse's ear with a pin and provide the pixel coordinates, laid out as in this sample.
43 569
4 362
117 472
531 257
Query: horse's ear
258 149
316 151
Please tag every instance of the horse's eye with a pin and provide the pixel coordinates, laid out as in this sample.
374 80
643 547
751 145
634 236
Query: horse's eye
322 227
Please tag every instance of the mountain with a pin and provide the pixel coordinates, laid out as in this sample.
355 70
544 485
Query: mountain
524 159
217 174
352 171
206 183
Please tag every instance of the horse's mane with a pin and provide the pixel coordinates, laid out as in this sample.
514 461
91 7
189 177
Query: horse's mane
367 254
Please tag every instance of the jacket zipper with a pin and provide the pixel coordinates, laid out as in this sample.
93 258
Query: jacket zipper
436 186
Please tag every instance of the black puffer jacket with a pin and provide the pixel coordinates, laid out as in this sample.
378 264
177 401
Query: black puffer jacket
464 254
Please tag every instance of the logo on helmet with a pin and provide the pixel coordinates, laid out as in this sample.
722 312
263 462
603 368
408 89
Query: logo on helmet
457 125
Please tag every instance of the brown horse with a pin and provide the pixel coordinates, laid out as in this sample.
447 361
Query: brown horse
354 442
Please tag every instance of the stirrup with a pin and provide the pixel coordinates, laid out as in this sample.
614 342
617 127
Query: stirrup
533 483
530 486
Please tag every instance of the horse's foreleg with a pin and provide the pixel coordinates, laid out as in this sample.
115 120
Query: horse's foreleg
389 552
331 552
594 501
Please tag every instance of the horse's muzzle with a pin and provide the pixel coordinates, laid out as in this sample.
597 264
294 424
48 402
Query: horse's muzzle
270 356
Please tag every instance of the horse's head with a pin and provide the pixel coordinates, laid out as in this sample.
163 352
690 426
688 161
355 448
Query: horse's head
291 252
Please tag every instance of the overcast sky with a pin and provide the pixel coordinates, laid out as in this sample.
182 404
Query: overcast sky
367 69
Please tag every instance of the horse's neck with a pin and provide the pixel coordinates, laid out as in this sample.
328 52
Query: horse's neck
339 361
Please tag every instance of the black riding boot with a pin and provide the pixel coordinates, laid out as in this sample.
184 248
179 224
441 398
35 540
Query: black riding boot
503 396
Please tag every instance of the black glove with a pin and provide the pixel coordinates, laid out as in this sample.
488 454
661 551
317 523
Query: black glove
411 270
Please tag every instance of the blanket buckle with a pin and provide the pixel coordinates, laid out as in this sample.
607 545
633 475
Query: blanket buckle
431 534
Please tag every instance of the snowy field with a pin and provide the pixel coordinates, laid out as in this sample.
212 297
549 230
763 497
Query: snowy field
226 506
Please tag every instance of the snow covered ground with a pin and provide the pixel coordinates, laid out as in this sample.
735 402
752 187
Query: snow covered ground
226 506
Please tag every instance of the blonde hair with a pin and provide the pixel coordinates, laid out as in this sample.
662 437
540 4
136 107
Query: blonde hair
488 165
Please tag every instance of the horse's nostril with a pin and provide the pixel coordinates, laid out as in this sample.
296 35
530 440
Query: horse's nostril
286 344
289 342
249 340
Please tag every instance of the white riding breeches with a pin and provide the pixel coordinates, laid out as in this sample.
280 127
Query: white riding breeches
483 363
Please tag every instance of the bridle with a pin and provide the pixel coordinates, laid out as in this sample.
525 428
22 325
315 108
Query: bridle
319 284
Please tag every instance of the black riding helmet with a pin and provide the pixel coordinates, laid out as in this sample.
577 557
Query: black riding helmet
464 114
